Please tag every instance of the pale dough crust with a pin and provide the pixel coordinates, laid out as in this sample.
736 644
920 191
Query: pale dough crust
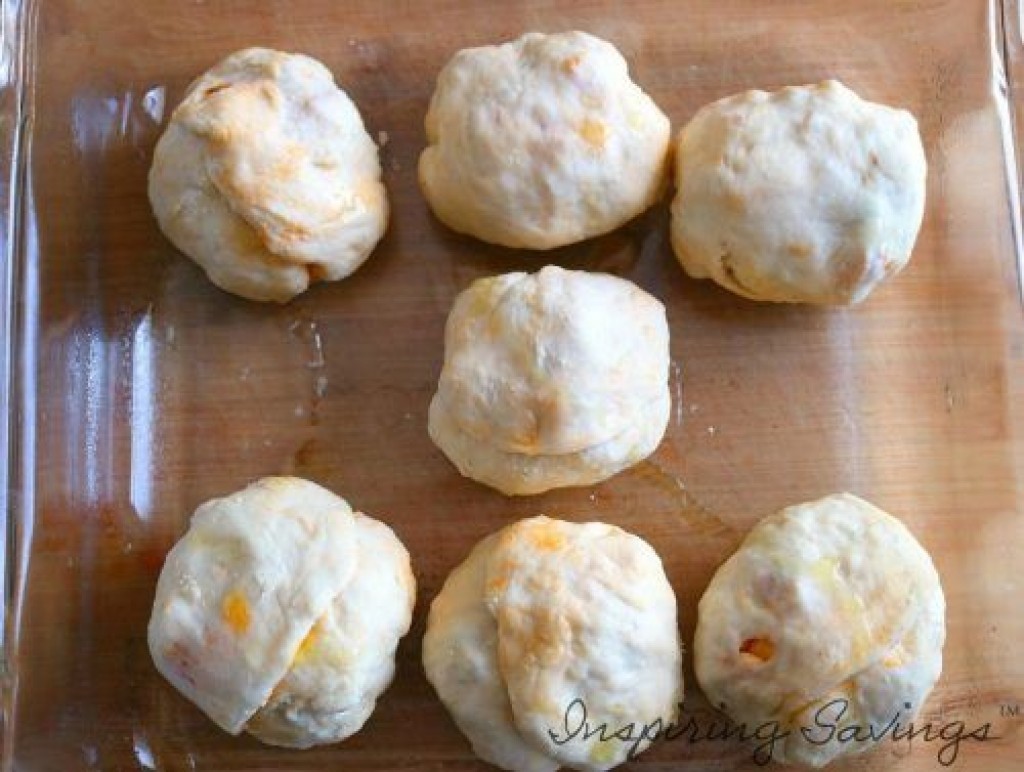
542 142
545 612
279 612
824 600
809 194
522 474
348 658
551 379
267 178
460 657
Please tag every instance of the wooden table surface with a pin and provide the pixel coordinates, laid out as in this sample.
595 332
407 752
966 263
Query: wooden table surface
149 391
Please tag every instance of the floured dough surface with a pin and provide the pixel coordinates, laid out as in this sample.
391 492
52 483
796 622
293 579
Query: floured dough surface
546 612
832 599
808 194
267 178
347 659
279 612
524 474
551 379
460 657
542 141
240 591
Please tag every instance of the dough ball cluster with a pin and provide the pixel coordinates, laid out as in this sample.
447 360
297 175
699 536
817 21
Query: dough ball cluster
542 142
267 178
280 610
809 194
544 613
830 613
552 379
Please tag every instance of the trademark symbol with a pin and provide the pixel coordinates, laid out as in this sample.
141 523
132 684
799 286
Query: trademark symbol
1009 711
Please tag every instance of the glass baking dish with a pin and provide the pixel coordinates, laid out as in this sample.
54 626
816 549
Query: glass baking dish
136 390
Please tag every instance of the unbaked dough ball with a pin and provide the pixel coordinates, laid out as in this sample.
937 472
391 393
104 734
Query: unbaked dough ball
552 379
809 194
267 178
279 613
545 614
541 142
829 615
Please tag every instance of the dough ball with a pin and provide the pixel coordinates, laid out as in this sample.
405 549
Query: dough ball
542 142
280 610
830 614
552 379
809 194
267 178
545 613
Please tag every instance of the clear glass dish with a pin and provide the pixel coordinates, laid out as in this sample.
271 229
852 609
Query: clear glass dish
135 389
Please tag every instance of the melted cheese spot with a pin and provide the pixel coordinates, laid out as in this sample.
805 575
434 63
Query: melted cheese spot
894 658
498 584
850 608
544 634
235 611
547 538
594 133
760 649
570 63
306 647
603 752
